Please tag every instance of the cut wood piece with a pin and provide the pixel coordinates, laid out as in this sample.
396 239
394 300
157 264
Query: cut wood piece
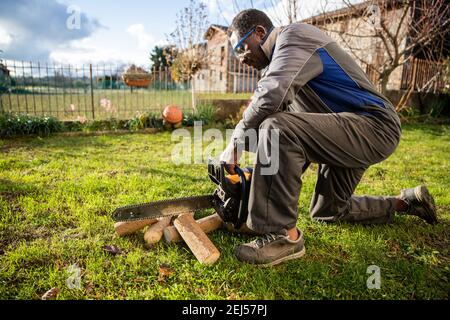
155 232
199 243
207 224
129 227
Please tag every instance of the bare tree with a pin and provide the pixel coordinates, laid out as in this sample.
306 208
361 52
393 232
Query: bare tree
284 11
189 52
399 30
281 11
447 77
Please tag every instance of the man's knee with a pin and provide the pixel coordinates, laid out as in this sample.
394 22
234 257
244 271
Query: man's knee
269 131
287 126
272 122
277 125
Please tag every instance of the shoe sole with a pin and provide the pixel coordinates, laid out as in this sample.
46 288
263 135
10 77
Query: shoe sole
296 255
427 200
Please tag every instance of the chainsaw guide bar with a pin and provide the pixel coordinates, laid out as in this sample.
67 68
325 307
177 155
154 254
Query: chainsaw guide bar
163 208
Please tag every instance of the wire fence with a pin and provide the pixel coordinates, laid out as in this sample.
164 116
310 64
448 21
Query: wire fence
71 92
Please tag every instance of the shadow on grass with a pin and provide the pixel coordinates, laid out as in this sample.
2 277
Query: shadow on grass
70 143
10 190
429 129
169 174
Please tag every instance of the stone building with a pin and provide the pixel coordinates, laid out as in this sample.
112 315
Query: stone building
352 28
223 72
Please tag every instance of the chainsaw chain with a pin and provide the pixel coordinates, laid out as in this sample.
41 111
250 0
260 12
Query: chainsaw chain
156 203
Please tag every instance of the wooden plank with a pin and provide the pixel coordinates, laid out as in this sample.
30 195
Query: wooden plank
199 243
126 228
155 232
207 224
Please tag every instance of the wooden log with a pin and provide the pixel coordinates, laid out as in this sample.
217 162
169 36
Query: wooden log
129 227
155 232
207 224
199 243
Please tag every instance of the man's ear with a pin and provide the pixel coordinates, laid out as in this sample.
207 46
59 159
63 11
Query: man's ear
260 32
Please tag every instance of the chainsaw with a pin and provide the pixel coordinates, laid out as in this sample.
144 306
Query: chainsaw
229 199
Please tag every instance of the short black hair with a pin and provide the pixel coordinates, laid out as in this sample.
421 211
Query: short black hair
247 19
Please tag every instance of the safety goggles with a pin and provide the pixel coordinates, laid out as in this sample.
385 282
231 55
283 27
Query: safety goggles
238 45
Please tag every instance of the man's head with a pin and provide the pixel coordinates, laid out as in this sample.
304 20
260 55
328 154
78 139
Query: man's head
248 29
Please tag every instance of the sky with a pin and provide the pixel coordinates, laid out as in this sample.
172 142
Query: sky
106 31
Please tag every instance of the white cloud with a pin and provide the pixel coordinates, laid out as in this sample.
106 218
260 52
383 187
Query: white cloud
88 51
145 40
5 38
36 27
93 50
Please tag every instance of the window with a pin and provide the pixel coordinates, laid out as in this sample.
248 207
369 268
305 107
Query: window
222 55
344 25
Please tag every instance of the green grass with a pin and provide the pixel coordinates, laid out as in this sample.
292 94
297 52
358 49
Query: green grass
57 193
125 103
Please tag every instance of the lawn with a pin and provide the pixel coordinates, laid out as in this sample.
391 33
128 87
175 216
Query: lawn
124 104
57 194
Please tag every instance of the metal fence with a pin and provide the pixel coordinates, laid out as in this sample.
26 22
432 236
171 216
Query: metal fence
71 92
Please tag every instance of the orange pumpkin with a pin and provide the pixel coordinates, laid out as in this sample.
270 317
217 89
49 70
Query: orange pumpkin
172 114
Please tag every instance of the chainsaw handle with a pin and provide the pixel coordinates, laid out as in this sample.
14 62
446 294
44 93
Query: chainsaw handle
212 173
217 174
243 201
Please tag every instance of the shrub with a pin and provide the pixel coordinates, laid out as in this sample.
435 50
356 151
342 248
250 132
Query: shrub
111 124
232 121
205 113
437 108
22 124
145 120
73 126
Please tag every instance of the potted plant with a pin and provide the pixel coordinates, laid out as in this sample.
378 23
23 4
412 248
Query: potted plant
136 77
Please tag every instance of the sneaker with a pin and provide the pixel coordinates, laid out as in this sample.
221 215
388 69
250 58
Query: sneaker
271 249
420 203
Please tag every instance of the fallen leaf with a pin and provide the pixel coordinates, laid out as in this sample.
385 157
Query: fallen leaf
50 294
112 249
232 296
164 272
89 288
112 173
200 290
60 264
139 280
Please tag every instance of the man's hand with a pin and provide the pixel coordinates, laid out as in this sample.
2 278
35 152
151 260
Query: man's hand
230 168
230 157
